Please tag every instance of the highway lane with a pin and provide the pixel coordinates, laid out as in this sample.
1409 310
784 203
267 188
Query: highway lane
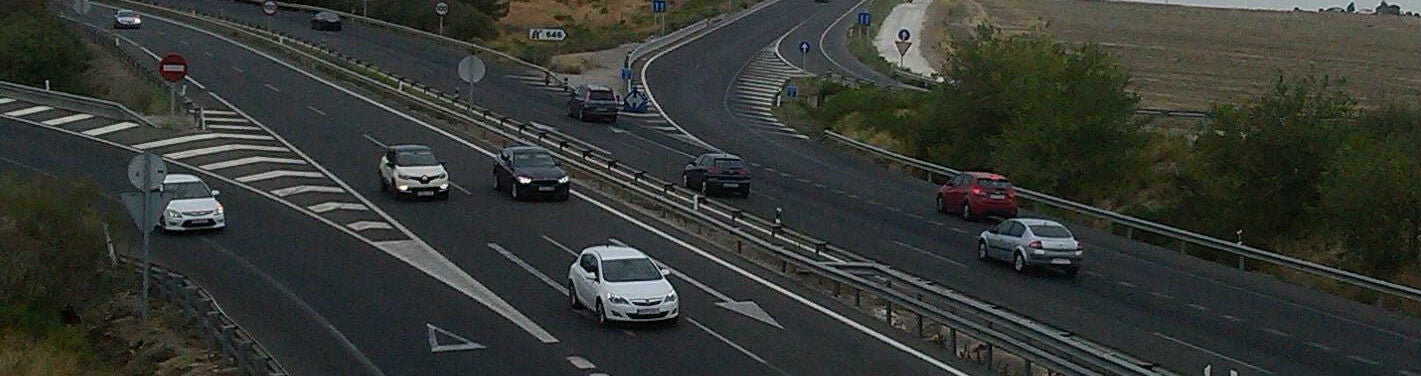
1151 302
300 287
1150 294
464 227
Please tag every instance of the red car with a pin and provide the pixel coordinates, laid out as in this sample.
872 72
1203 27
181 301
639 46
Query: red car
974 194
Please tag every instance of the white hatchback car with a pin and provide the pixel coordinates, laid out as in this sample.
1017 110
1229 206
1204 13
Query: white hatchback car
621 284
412 170
193 206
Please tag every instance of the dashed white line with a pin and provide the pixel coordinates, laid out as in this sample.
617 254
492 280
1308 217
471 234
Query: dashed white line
279 174
1210 352
914 216
316 110
208 53
580 362
1232 318
727 341
1196 306
1364 360
239 70
929 254
958 230
1094 274
820 186
1320 346
1277 332
518 261
1125 284
1162 295
373 140
937 223
272 88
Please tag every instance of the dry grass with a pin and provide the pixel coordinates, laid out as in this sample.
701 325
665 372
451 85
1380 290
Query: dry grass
1188 57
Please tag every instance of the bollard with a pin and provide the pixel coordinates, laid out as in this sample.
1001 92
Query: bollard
820 246
735 218
696 202
952 341
778 213
857 297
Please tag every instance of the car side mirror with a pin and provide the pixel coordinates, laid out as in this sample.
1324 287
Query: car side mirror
215 193
665 272
591 276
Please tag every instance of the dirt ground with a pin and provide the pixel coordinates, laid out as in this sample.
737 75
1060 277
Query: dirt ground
1188 57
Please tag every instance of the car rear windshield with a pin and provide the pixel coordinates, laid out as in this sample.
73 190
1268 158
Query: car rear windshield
630 270
532 159
991 183
601 95
1048 231
190 190
729 164
416 158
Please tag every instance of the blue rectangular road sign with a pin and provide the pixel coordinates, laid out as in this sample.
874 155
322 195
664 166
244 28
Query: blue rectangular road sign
863 17
658 6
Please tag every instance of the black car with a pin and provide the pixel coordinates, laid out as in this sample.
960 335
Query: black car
327 21
717 172
528 172
593 102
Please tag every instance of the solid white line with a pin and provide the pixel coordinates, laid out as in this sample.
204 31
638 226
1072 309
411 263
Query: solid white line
1320 346
288 191
1196 306
250 160
727 341
67 119
109 129
372 139
333 206
460 188
518 261
580 362
272 88
316 110
1364 360
368 225
195 83
199 137
929 254
233 127
279 174
1207 351
1277 332
220 149
28 111
6 100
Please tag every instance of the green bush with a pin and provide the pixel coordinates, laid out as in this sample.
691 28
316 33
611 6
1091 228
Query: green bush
37 47
1370 192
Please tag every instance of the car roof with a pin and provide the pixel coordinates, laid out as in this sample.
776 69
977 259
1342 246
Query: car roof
985 175
614 252
720 156
1037 222
409 147
125 11
523 149
180 178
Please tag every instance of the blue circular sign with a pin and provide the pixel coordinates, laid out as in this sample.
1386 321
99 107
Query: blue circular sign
803 47
903 35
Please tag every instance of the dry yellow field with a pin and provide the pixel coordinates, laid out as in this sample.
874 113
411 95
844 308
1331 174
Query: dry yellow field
1189 57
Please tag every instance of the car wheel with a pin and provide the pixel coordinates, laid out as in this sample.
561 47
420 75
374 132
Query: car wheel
513 191
967 212
572 297
1071 270
601 313
745 193
383 186
941 208
581 116
982 250
393 189
705 188
1018 263
686 181
497 184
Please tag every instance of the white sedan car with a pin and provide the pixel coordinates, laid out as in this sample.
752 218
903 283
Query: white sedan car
621 284
193 206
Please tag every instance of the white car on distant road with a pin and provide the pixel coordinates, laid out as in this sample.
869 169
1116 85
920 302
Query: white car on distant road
127 19
192 205
621 284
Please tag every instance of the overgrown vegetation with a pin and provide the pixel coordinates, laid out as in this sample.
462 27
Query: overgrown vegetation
1299 169
37 47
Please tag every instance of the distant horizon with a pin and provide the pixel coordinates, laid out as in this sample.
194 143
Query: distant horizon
1308 5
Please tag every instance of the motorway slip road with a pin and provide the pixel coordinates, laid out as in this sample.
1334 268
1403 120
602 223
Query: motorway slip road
343 133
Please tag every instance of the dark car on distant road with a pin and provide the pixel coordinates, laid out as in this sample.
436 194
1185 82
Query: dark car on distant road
594 102
528 172
325 21
977 193
716 173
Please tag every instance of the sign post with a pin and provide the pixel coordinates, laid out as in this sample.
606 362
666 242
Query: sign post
173 68
441 8
803 54
902 43
863 21
146 173
472 70
269 8
658 10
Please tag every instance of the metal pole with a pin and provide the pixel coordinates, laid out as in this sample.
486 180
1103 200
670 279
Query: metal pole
147 182
441 25
471 98
365 8
172 99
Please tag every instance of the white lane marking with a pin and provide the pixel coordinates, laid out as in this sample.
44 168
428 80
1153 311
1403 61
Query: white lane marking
1408 373
1196 306
316 110
658 144
6 100
804 181
1373 363
929 254
727 341
220 149
894 209
958 230
279 174
250 160
67 119
1320 346
461 343
184 42
1210 352
200 137
325 207
219 112
29 111
373 140
239 70
1125 284
208 53
288 191
195 83
224 120
109 129
1232 318
368 225
937 223
914 216
1162 295
1094 274
580 362
460 188
531 270
272 88
1277 332
233 127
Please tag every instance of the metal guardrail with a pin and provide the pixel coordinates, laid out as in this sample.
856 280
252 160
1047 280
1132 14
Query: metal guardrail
202 310
72 102
144 69
1132 224
796 252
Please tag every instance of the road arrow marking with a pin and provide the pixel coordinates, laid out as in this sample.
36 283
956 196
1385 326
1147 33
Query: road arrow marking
436 347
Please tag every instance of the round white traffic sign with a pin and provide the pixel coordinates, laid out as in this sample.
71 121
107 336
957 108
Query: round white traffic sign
147 171
269 7
441 8
472 69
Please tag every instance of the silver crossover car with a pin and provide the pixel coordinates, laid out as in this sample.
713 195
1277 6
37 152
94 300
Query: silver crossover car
1030 243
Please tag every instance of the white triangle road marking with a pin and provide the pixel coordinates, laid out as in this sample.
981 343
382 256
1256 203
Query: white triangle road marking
436 347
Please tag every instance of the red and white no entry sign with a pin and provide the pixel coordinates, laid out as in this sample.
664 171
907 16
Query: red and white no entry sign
172 67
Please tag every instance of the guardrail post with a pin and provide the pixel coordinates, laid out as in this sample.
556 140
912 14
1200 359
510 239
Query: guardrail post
636 178
888 312
989 355
858 297
612 164
1240 263
735 218
952 339
820 246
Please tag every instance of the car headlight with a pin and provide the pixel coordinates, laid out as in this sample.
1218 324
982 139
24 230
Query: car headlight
671 298
403 187
444 186
440 176
564 180
617 300
172 213
1038 252
1078 253
406 177
524 180
219 209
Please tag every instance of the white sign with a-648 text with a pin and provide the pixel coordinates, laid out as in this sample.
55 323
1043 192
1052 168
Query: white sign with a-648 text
547 34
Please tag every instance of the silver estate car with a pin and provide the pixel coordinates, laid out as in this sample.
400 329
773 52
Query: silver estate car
1028 243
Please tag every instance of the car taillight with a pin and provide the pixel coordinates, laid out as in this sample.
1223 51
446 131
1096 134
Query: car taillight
713 170
1035 244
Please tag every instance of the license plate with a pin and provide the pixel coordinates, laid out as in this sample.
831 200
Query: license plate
545 189
425 193
201 222
646 311
732 185
998 197
1061 262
